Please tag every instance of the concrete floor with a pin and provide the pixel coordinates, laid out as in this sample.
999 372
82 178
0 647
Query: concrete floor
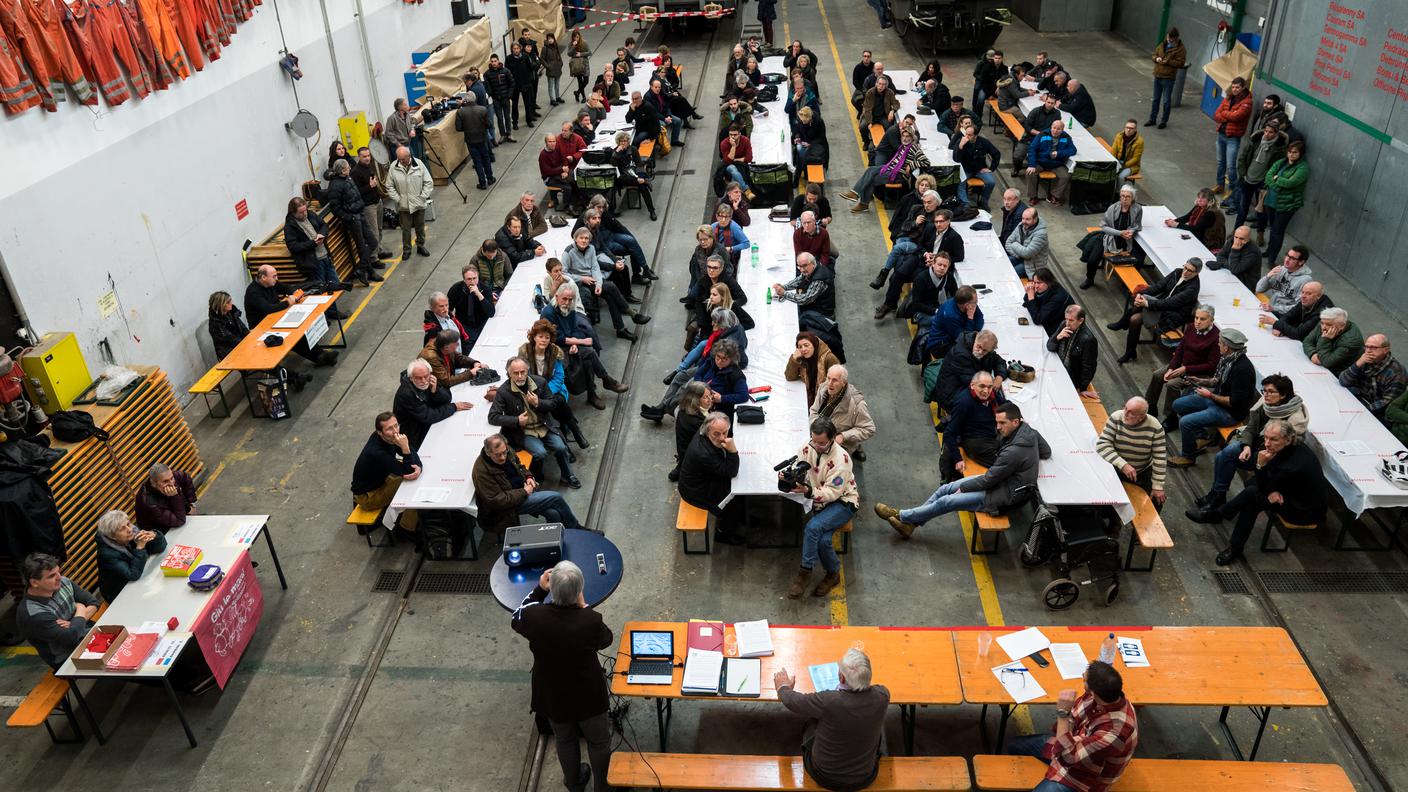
319 698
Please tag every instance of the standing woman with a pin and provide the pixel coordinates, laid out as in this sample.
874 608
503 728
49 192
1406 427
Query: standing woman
579 64
336 152
810 362
1285 193
552 66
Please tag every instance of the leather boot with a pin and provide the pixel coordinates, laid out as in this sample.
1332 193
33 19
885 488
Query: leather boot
576 430
880 278
827 583
798 586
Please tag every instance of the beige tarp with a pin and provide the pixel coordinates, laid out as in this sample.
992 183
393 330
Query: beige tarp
1240 62
444 70
449 147
541 17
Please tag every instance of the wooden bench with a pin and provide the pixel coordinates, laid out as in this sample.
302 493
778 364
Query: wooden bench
553 197
1226 432
1148 530
646 149
877 131
1129 276
692 519
1172 775
1273 520
816 174
1009 121
1095 410
727 771
983 522
50 694
1111 150
212 382
367 522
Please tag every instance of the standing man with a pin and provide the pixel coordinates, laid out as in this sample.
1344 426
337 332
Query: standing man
409 186
346 202
1094 736
767 13
55 613
499 81
1254 161
364 175
384 462
1050 152
831 486
1169 57
569 688
842 744
473 121
525 82
398 130
1231 117
164 499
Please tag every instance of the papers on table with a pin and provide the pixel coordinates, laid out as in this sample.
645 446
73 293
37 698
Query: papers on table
151 627
1070 659
826 676
1132 651
743 676
294 316
1017 680
1023 643
166 651
1349 447
1019 394
754 638
432 494
246 532
318 299
703 670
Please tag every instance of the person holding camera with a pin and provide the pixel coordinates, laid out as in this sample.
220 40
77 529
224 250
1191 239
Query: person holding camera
830 483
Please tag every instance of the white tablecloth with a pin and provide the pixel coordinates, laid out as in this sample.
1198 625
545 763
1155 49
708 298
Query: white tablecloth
451 446
772 132
1074 474
1088 149
1335 414
615 120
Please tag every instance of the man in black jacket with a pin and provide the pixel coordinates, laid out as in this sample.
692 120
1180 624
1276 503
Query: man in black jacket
940 235
1172 299
421 402
265 295
1012 209
569 687
1288 483
1075 345
385 461
1046 301
501 87
971 353
522 409
1079 104
931 286
305 236
706 477
469 303
1241 257
364 175
1305 316
516 244
346 202
525 82
645 117
474 122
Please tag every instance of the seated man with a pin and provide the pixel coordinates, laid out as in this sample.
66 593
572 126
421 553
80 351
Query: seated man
522 408
1075 345
1195 356
1241 257
842 744
972 353
831 486
1050 151
448 364
385 461
814 292
1078 103
528 213
123 551
735 152
811 237
1204 221
438 317
1132 441
420 402
844 405
55 613
949 119
1008 483
1028 244
1301 319
1278 400
1288 482
1094 736
264 296
555 168
932 287
1220 400
1282 283
493 265
516 245
471 305
1335 342
1037 123
505 490
706 477
1046 300
971 427
936 234
164 499
1375 377
911 229
957 316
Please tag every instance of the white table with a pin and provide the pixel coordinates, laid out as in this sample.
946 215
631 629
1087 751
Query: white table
1074 474
770 343
615 120
772 133
1088 149
450 447
156 597
1335 414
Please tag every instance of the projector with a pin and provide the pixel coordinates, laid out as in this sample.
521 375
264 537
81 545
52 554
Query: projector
533 545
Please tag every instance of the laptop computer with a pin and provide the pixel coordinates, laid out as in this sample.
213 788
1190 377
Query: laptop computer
652 657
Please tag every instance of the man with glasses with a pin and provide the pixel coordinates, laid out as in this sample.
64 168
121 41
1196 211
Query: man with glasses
1375 378
1282 283
1132 441
1224 399
831 486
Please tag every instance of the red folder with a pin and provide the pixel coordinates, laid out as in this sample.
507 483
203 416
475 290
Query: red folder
134 652
706 635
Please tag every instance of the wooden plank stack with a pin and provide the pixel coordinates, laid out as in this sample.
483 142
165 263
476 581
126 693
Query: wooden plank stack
273 250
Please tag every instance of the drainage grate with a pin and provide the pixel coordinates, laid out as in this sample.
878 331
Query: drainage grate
389 581
1335 582
452 583
1231 583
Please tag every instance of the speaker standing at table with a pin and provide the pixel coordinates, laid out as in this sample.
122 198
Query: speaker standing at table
844 740
569 688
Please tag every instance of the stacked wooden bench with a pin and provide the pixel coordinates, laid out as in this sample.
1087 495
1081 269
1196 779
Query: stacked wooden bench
1173 775
729 772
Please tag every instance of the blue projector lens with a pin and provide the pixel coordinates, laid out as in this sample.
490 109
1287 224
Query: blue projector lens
514 556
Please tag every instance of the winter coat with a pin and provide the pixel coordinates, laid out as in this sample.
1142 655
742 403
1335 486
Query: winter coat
409 186
948 324
1114 243
876 108
416 410
1048 308
1029 245
1174 299
343 198
1081 359
850 415
500 83
1011 479
157 511
444 367
706 473
552 60
1335 353
1039 154
1130 153
797 370
1285 184
119 565
509 404
1231 116
1175 58
303 249
518 249
1300 320
743 118
472 312
959 367
227 330
553 370
493 271
1081 107
1244 263
496 496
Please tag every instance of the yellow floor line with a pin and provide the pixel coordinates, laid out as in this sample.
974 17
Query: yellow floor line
366 298
982 574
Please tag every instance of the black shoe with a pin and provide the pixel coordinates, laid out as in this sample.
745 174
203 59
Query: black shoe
729 538
1228 557
493 180
1204 516
1087 283
1149 123
679 144
1116 325
586 776
626 334
639 280
298 381
374 276
671 376
1211 501
1123 359
697 117
652 214
328 358
632 299
333 313
481 186
361 279
405 254
648 272
423 250
673 475
880 278
652 413
1163 124
859 455
383 254
640 318
572 481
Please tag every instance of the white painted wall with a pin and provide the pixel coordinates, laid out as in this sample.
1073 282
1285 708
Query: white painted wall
139 199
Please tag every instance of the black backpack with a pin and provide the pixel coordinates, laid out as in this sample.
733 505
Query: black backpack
73 426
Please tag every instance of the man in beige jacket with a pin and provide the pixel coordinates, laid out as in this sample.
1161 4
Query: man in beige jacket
845 405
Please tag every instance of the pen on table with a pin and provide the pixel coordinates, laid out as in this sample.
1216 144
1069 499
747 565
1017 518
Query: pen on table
741 684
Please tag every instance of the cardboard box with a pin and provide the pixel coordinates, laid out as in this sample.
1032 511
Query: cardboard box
98 664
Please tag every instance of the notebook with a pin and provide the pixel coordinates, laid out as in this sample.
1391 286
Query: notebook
652 657
703 672
754 638
743 676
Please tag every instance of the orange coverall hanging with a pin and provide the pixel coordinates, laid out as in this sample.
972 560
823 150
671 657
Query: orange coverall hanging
60 62
162 30
17 91
22 38
95 51
155 66
185 21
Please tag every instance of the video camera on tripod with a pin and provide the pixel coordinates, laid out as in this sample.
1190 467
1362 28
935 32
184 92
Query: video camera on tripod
440 108
791 474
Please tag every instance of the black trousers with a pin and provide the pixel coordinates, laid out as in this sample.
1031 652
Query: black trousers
596 730
1247 506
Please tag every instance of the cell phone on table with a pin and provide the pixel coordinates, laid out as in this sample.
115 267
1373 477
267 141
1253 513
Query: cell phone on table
984 291
601 563
1040 660
978 286
1023 321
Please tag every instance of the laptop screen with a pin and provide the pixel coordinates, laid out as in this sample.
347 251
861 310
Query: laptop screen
652 643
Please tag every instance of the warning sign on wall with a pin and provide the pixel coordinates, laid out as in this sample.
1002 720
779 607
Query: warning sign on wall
242 209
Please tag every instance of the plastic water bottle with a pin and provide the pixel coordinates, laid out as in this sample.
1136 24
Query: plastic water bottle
754 252
1108 649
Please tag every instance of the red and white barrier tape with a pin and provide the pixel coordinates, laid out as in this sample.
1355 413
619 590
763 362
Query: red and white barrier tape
624 17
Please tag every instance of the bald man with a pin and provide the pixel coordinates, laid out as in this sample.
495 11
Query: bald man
264 296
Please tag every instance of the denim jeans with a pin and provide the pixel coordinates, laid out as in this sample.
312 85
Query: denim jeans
944 500
483 168
1028 745
1197 414
989 182
538 448
882 9
676 124
1018 265
1227 148
816 536
866 184
1277 221
549 506
904 246
640 137
326 272
1225 466
554 91
736 174
1163 91
627 245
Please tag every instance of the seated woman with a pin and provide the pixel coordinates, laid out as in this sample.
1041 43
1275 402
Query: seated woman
701 319
695 402
630 173
907 158
706 245
1204 221
754 73
1116 235
123 551
546 359
1278 400
742 89
729 232
809 362
448 364
1174 299
809 144
227 329
806 67
715 361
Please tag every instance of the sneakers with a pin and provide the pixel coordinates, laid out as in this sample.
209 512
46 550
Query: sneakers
850 195
891 515
827 583
799 583
860 208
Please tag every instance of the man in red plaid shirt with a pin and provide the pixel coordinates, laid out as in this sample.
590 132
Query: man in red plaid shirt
1094 738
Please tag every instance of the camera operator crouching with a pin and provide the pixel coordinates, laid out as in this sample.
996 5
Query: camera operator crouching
831 485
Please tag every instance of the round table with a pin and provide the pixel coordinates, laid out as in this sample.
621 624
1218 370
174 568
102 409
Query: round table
511 585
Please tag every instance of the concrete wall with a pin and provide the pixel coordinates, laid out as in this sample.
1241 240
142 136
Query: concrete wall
1053 16
139 200
1196 20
